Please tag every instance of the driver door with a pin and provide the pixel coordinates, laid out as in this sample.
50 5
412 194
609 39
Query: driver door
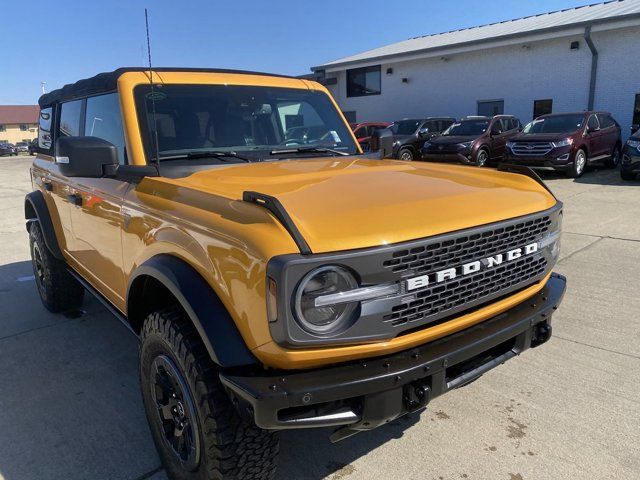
96 206
499 131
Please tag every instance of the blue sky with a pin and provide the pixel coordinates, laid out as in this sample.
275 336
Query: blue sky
62 41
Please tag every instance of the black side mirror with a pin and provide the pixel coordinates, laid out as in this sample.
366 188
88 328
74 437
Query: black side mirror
423 132
382 141
86 156
495 130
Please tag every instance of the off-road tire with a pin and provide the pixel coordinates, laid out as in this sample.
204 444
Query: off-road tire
625 175
407 153
614 160
58 289
230 447
575 171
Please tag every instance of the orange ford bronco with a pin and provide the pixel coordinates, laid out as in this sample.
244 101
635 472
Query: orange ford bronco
276 276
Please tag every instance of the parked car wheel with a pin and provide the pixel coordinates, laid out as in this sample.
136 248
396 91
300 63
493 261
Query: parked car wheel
614 160
482 157
579 164
195 427
405 154
58 289
626 175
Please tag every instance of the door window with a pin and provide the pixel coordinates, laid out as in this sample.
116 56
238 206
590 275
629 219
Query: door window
592 123
103 120
605 121
636 110
70 118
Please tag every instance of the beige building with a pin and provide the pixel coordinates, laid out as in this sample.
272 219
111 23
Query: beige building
18 123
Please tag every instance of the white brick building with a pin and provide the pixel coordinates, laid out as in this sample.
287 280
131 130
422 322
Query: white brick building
564 56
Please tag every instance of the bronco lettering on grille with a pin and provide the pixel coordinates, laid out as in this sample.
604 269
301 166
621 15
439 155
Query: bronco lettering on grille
469 268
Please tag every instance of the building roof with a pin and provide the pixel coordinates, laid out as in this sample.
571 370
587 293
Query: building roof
588 14
10 114
107 82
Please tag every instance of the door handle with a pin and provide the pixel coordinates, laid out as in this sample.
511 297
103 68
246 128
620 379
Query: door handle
75 199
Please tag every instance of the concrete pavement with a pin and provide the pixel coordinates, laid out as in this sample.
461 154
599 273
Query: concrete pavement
70 405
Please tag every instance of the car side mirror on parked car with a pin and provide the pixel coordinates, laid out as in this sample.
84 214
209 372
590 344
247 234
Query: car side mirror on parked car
86 157
382 141
423 132
495 130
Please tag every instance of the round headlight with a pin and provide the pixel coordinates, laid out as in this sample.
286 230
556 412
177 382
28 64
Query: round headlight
317 283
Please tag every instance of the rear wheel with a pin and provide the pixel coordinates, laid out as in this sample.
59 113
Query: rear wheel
405 154
614 160
196 429
579 164
58 289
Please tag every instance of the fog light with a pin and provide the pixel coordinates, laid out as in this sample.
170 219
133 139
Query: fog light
564 157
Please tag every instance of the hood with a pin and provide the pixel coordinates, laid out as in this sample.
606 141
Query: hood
452 139
541 137
343 204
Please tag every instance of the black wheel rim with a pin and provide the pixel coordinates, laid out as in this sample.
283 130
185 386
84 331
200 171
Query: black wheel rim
175 411
482 158
406 156
38 266
615 158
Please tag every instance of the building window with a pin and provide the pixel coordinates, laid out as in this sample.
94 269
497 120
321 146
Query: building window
350 116
542 107
490 108
24 128
363 81
636 111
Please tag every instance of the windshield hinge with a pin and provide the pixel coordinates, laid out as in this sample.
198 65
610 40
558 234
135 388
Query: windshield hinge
277 209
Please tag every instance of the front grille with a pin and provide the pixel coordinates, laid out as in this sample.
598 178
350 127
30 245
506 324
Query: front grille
531 148
437 299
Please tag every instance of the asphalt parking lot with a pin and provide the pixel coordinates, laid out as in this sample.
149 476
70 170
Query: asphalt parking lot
70 406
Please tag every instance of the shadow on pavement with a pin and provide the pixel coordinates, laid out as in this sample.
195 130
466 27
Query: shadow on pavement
70 405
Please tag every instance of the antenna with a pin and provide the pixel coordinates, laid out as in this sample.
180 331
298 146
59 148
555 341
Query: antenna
154 128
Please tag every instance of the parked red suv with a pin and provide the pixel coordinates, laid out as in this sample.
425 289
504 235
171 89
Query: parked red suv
363 132
473 140
567 142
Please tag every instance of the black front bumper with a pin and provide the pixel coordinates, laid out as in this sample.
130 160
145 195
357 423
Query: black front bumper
554 160
365 394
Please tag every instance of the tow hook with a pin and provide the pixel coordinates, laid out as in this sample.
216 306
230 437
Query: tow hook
541 334
416 395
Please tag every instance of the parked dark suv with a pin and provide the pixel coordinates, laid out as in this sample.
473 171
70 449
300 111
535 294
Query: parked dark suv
473 140
410 133
567 142
630 167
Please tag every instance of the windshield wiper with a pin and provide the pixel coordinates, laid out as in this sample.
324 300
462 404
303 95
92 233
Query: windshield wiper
207 154
285 151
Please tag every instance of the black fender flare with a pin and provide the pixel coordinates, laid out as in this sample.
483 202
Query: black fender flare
36 210
215 326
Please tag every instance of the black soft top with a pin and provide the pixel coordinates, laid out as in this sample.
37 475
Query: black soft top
107 82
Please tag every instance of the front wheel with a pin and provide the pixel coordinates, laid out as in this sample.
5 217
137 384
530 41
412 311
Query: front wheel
196 429
405 154
579 164
482 157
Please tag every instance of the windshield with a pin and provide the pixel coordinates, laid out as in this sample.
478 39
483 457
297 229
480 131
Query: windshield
467 128
405 127
248 120
555 124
